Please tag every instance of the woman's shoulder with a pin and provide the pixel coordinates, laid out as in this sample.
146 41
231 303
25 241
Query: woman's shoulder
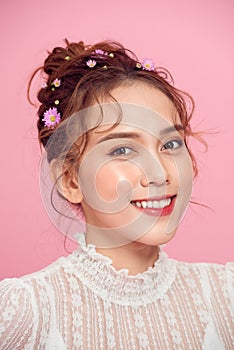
27 303
43 274
215 271
32 289
217 274
218 268
214 281
27 285
211 284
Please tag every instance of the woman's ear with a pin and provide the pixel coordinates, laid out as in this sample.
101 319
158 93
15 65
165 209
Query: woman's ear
66 182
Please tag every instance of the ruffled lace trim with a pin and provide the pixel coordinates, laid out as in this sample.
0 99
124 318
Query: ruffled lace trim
97 272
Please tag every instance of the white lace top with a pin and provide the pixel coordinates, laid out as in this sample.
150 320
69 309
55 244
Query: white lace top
83 302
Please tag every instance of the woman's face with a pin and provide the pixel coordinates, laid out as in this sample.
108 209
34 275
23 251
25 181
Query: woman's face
136 178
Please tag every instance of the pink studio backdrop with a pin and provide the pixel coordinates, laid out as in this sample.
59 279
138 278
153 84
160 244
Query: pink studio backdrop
193 39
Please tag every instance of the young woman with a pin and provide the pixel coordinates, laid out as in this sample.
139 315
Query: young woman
115 132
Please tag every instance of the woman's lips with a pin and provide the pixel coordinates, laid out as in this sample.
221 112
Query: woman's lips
161 206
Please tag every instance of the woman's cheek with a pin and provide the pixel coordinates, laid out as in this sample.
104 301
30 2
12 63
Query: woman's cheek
113 181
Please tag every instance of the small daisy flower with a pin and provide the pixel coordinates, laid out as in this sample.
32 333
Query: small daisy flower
138 65
111 54
148 64
99 52
56 82
67 58
51 117
91 63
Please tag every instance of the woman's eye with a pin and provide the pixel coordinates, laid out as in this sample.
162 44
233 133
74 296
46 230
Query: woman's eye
121 151
173 144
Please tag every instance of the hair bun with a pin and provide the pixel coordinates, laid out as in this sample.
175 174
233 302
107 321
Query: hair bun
59 55
75 49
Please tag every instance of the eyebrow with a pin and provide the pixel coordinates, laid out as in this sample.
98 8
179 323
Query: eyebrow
177 127
134 135
120 135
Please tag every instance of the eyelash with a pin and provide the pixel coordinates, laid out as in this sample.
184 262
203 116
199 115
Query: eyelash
179 141
115 151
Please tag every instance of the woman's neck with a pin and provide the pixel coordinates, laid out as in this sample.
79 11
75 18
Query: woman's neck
135 256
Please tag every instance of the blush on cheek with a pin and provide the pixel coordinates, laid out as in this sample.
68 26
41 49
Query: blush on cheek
106 183
112 182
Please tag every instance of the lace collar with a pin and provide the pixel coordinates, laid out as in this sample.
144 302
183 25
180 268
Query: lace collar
97 272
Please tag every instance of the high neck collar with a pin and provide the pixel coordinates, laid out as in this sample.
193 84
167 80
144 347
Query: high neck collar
97 272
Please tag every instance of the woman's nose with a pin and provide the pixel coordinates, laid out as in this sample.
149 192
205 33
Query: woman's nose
156 179
154 172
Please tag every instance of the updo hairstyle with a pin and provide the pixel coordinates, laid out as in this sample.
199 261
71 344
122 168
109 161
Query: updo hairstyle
82 86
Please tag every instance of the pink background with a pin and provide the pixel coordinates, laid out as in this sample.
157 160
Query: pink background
193 39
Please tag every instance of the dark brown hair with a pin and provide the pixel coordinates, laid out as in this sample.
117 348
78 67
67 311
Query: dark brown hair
82 86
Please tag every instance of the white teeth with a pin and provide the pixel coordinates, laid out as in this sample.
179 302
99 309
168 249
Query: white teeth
150 204
153 204
163 203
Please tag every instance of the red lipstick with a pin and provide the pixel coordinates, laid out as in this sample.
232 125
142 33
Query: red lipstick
148 206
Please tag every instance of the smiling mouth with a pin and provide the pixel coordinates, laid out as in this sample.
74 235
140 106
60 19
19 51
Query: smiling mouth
153 203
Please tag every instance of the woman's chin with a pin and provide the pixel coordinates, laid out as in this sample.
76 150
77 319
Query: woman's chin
156 237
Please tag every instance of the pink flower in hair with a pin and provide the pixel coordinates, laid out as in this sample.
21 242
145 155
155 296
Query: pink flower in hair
56 82
148 64
51 117
91 63
99 52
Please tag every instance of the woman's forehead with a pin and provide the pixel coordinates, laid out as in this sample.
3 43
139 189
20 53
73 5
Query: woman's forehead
130 117
145 95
